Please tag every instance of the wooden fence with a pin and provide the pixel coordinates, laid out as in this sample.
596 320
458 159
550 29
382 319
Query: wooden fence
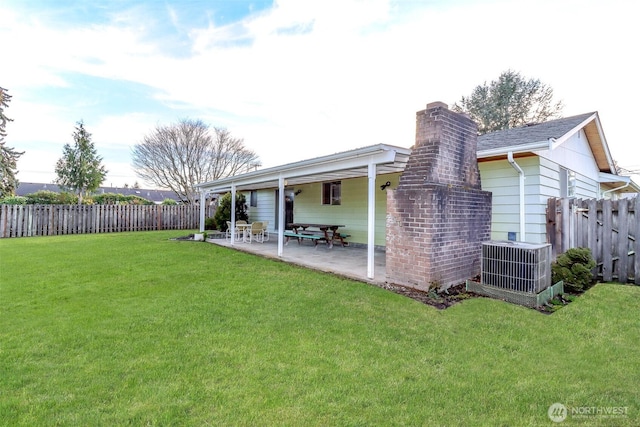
53 220
610 228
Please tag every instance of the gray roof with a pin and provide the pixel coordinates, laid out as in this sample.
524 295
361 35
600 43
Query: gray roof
530 133
156 196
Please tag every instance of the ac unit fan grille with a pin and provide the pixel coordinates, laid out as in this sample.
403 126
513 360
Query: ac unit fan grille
520 267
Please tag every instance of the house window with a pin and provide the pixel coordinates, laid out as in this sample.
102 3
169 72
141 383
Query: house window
331 193
567 183
253 198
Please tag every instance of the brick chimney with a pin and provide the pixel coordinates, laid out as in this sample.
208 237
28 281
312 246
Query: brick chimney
438 216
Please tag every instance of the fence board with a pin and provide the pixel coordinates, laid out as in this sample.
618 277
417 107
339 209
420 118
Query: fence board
623 242
611 229
50 220
636 241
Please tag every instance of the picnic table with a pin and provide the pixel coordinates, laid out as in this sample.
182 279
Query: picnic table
316 232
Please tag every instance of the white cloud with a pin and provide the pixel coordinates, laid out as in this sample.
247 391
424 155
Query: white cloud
310 78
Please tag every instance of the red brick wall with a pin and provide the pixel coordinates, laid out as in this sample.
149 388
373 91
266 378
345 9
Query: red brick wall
438 216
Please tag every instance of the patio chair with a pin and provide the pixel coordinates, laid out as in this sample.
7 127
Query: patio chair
237 231
256 232
265 232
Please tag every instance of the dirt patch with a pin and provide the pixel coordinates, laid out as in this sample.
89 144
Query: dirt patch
437 299
189 237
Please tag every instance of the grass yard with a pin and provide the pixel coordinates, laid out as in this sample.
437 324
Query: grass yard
136 329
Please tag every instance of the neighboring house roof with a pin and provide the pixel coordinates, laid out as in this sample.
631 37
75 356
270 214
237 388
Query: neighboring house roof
156 196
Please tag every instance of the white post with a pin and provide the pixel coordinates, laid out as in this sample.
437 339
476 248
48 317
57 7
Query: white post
233 214
281 214
371 220
203 208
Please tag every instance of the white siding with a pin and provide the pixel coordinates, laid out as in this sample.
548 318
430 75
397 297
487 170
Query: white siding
265 209
502 180
574 154
352 212
541 183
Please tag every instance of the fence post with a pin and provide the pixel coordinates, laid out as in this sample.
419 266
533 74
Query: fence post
636 242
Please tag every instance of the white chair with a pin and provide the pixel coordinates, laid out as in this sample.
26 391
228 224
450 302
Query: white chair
265 232
256 232
237 231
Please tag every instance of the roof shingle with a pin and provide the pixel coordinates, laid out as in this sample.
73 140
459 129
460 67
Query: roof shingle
530 134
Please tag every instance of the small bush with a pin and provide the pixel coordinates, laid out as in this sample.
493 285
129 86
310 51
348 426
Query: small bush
169 202
574 268
209 223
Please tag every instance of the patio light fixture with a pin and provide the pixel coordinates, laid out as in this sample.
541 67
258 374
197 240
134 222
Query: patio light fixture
385 185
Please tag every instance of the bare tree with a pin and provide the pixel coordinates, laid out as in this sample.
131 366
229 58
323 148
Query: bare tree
184 154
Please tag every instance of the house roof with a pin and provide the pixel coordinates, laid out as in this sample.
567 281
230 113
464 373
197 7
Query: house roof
390 159
156 196
548 135
334 167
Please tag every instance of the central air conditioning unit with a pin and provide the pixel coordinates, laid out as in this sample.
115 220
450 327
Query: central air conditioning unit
517 272
517 266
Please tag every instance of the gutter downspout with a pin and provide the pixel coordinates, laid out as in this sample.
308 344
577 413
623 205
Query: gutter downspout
522 213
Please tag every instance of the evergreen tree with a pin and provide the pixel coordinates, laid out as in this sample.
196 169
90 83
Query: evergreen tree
509 102
80 169
8 156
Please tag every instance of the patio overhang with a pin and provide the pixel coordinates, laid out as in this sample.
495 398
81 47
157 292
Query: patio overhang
339 166
362 162
617 183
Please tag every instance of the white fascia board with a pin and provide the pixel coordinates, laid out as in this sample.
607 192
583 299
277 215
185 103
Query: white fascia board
503 151
604 177
556 142
378 154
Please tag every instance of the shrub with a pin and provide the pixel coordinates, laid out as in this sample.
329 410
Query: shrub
46 197
13 200
113 198
223 213
169 202
574 268
209 223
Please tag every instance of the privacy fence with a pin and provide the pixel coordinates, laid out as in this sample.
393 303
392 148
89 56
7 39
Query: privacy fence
610 228
53 220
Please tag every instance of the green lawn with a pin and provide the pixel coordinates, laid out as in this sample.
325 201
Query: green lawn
136 329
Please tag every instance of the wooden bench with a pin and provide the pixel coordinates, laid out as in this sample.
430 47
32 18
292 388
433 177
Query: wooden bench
300 236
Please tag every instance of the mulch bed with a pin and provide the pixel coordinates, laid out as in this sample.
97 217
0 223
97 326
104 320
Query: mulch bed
447 298
437 299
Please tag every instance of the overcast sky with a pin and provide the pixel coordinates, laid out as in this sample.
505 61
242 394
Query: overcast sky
298 79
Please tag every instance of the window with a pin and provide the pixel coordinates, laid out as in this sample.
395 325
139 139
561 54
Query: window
253 198
331 193
567 183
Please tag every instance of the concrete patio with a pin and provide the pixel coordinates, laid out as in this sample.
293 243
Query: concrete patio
346 261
